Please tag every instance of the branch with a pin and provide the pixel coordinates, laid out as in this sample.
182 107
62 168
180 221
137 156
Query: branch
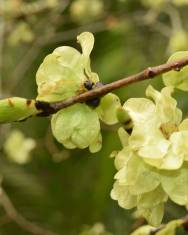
162 226
19 219
148 73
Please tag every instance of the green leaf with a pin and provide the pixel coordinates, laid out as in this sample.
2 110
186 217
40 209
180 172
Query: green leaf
153 215
136 174
177 79
63 72
165 104
140 110
150 144
107 110
153 198
96 145
76 126
180 146
175 184
16 109
86 41
123 116
61 75
140 177
123 136
122 158
122 194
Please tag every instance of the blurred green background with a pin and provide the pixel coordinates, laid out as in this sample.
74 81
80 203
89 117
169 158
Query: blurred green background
69 191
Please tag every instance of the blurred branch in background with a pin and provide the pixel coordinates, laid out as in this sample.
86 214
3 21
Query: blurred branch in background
141 228
15 216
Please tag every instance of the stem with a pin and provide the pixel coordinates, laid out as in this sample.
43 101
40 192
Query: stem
148 73
184 224
19 219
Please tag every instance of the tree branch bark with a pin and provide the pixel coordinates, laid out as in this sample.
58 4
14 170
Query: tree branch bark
162 226
148 73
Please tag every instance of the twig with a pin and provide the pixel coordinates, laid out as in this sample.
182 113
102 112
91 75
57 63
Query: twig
162 226
148 73
19 219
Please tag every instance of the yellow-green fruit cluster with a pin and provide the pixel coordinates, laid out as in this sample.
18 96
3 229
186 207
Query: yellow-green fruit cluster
177 79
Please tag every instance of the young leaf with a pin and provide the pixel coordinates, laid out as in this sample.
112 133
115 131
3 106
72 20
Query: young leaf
175 184
107 110
153 215
76 126
124 197
153 198
63 72
177 79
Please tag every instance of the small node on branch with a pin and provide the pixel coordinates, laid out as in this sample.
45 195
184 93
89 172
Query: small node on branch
89 85
44 107
177 67
150 73
93 102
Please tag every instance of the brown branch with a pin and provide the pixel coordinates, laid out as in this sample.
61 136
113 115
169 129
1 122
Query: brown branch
155 230
141 222
148 73
19 219
162 226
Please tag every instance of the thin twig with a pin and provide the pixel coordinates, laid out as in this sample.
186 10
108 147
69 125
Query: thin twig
162 226
148 73
19 219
